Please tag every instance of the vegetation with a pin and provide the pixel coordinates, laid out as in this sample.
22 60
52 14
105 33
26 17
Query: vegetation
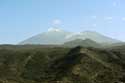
54 64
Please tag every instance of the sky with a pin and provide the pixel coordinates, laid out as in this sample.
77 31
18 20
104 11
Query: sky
21 19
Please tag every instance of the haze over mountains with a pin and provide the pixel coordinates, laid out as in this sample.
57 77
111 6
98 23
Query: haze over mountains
55 36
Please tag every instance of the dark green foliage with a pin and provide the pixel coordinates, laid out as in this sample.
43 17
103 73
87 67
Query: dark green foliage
48 64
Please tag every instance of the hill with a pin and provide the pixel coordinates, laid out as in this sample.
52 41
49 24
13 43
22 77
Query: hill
118 44
80 42
29 64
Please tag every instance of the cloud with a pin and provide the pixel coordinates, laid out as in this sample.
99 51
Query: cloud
56 22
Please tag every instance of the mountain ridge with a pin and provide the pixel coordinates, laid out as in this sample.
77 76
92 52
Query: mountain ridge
81 42
58 36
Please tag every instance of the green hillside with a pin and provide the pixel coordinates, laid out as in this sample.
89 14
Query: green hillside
51 64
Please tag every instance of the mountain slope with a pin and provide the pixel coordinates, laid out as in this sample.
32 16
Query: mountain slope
116 44
80 42
56 64
54 36
57 36
97 37
119 51
87 66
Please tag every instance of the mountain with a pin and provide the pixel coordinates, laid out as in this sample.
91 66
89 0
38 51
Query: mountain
118 44
58 36
53 36
29 64
80 42
89 66
97 37
119 51
114 45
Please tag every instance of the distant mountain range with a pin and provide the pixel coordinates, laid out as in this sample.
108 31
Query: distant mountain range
57 36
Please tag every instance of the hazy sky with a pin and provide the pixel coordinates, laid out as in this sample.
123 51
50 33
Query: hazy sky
21 19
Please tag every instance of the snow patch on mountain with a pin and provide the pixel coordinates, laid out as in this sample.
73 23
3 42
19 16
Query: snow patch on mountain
54 30
73 34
